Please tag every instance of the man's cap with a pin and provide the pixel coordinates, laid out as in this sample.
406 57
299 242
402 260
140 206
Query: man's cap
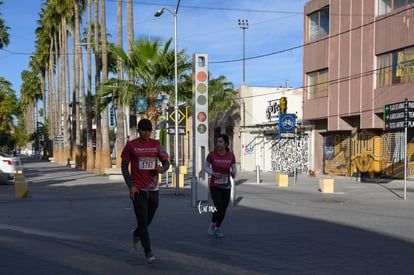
144 124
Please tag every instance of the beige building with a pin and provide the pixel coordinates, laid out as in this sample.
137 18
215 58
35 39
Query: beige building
358 57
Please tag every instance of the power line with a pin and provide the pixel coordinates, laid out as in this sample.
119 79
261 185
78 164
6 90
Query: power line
313 42
135 3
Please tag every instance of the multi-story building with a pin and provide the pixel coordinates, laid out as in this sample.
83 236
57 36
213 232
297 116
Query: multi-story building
358 57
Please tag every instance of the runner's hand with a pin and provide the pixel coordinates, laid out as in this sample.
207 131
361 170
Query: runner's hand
132 191
217 175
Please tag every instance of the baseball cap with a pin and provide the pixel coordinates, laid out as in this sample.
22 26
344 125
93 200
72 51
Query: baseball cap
144 124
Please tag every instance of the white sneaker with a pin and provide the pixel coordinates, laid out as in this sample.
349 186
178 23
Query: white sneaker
135 240
150 258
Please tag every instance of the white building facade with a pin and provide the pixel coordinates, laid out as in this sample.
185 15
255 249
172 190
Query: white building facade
261 145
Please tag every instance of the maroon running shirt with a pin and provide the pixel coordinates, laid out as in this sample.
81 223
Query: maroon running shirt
221 164
143 157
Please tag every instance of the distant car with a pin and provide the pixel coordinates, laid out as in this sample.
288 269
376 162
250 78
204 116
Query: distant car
9 165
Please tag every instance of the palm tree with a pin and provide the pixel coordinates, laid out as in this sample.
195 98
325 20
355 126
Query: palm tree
79 85
120 135
4 35
31 93
9 108
105 161
151 68
98 67
42 60
52 38
131 109
222 107
90 160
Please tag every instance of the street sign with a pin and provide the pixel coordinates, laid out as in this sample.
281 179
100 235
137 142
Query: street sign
181 130
58 139
182 117
287 123
399 115
182 120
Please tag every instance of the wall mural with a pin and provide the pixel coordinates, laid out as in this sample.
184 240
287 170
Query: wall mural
248 149
372 152
284 157
336 153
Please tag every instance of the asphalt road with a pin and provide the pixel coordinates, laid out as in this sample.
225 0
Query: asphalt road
75 222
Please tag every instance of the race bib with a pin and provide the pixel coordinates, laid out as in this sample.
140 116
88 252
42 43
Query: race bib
223 180
147 163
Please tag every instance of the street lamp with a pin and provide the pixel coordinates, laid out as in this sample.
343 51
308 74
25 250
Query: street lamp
174 14
244 24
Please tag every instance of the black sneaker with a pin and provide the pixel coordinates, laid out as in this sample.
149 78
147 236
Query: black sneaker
135 240
150 258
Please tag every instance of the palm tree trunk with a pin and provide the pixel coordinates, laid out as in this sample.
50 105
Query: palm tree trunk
106 151
130 35
90 164
66 109
98 134
57 97
80 89
74 99
120 138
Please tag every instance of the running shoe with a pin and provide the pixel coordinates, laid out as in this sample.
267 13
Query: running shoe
219 233
150 258
212 229
135 240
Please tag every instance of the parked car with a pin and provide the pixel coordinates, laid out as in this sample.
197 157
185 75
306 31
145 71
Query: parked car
9 165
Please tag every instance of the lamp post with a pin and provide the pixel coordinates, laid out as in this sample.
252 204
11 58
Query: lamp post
174 14
244 24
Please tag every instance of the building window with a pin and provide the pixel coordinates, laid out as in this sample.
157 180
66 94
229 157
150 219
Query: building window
395 67
317 84
385 6
383 71
319 24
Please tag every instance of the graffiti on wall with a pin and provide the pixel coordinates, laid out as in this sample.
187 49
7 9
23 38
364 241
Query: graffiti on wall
288 153
336 153
248 149
372 152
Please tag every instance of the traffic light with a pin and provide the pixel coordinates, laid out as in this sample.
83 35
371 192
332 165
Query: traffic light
200 125
283 105
200 89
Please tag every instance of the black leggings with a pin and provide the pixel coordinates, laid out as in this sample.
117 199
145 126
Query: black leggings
221 198
145 205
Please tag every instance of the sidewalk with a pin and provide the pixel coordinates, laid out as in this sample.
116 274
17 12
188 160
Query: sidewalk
74 222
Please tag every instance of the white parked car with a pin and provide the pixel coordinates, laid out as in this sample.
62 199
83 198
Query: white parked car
9 165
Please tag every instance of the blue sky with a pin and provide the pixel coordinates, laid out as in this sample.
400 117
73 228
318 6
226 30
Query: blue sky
272 41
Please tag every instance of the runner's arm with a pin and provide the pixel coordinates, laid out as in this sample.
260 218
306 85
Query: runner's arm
125 173
233 170
207 168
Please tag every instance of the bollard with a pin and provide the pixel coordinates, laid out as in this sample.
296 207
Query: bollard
183 171
232 191
166 174
326 185
257 174
20 185
282 180
180 180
